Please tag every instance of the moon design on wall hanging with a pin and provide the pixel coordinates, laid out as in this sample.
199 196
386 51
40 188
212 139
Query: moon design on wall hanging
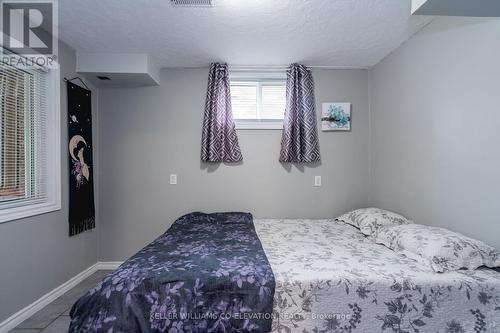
81 171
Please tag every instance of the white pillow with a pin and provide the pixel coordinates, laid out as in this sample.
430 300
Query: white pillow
370 220
441 249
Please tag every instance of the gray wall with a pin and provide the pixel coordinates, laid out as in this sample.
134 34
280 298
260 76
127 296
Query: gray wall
148 133
435 124
434 157
36 253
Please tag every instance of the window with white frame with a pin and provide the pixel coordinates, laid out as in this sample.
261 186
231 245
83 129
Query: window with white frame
29 141
258 100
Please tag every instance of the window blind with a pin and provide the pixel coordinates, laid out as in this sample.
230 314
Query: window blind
273 101
258 100
244 101
23 132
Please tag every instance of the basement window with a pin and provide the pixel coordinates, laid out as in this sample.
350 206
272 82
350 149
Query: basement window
29 141
258 100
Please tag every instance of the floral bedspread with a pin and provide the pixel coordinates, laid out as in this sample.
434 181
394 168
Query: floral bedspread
207 273
331 278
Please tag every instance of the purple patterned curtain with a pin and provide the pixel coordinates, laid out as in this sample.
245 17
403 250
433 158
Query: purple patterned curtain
219 142
299 141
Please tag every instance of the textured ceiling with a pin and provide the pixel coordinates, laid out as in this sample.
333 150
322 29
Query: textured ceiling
350 33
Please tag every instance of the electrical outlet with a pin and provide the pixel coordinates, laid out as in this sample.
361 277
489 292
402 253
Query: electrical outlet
173 179
317 180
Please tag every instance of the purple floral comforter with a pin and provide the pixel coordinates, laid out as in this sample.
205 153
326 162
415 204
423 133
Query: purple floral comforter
207 273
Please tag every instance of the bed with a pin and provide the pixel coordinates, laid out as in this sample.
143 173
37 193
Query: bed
235 274
331 278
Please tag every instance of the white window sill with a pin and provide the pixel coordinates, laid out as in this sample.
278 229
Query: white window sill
257 125
16 213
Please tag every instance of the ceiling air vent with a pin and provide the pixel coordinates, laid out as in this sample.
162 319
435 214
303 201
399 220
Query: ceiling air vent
192 3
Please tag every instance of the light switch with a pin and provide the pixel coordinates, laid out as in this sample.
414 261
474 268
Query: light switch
317 180
173 179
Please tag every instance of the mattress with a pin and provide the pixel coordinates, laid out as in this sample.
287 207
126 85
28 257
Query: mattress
331 278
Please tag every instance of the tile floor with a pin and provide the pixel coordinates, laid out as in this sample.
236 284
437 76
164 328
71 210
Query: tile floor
54 318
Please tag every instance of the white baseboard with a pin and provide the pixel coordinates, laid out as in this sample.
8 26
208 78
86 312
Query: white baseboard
28 311
105 265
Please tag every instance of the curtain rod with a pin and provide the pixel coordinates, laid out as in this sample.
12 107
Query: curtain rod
284 67
270 67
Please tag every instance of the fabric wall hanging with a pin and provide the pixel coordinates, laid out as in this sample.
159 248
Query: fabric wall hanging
81 175
299 141
219 141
